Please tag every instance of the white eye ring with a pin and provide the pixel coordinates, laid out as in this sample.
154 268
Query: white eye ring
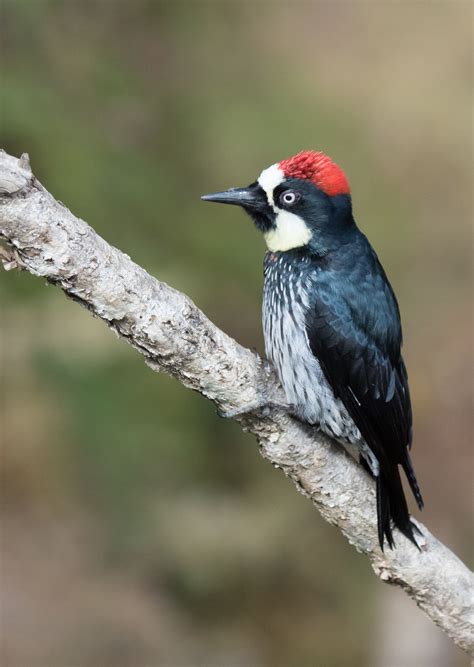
288 197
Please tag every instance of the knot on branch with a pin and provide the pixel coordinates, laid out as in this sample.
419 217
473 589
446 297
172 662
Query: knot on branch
15 175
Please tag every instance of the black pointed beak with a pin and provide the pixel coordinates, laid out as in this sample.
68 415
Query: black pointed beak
253 197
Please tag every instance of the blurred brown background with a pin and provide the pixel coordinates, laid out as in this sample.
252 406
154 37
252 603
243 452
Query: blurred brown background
138 529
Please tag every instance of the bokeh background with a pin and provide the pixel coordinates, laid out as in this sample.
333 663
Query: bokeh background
137 528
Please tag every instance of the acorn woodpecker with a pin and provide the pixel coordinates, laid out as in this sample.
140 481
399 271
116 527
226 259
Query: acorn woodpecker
331 322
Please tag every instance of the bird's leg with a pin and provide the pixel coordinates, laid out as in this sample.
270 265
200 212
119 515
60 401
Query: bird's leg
264 404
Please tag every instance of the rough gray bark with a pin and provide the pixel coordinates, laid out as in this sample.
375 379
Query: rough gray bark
174 336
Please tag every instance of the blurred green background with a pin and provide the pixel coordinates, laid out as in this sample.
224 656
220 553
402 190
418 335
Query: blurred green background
138 529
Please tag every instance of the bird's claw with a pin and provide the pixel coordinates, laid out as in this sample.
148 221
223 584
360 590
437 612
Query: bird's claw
264 408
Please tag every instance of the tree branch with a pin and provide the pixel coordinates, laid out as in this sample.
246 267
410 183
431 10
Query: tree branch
174 336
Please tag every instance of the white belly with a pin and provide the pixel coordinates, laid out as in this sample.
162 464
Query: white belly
287 347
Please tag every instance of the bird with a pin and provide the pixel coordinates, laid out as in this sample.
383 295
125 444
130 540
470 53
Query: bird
331 323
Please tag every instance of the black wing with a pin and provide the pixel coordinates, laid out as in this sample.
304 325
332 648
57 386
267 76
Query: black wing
353 326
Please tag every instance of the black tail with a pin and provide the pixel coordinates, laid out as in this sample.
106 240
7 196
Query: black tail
410 473
392 504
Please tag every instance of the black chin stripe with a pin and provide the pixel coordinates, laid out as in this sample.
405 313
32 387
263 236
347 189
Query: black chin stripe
264 217
264 220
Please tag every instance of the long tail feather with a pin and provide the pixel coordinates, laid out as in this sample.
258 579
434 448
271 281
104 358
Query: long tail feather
392 505
384 526
410 473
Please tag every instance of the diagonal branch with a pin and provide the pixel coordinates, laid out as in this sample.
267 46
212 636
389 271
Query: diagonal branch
173 335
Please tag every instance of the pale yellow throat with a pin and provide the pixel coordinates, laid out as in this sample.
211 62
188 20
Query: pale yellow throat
290 232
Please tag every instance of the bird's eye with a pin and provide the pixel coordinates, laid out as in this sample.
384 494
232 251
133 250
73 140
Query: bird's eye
289 197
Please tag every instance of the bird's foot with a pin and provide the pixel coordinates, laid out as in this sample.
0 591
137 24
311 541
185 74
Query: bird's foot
263 406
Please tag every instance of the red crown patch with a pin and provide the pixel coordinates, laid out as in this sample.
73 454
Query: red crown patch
318 168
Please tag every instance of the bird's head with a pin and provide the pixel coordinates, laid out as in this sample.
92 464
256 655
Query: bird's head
302 201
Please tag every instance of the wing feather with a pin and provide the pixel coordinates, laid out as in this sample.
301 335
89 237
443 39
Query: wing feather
357 342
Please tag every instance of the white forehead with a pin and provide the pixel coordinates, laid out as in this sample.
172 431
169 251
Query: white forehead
269 179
